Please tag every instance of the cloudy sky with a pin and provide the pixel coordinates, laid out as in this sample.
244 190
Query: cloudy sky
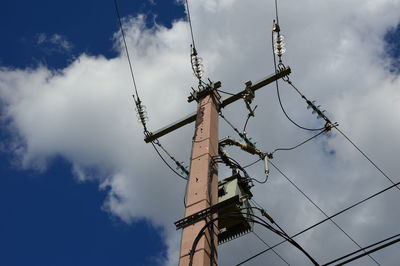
78 184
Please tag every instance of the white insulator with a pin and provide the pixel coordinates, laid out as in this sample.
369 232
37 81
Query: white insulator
279 45
197 66
141 114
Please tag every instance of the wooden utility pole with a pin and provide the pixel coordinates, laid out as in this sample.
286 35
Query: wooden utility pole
202 190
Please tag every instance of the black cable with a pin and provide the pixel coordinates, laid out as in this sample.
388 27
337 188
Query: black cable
162 158
279 96
313 203
201 232
265 243
367 252
300 144
126 49
366 157
245 123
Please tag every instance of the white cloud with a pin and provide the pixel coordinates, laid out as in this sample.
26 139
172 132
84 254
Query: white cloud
85 113
53 43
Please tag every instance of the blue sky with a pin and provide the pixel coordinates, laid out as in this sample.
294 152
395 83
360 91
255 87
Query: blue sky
78 186
48 218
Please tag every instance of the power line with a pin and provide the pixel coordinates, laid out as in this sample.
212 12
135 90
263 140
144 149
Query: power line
279 96
313 203
190 23
166 163
265 243
346 137
327 219
300 144
366 252
126 49
366 157
253 163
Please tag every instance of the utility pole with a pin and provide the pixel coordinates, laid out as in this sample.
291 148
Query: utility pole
202 191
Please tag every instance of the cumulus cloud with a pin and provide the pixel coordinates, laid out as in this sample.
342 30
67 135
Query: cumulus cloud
85 114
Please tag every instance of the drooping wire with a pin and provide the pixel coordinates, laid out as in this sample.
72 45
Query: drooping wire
166 163
279 96
179 165
300 144
251 219
346 137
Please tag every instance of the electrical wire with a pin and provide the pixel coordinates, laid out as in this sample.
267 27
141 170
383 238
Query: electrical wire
367 252
190 23
348 139
253 163
366 157
245 123
279 96
225 92
262 223
324 213
126 49
166 163
265 243
300 144
276 12
329 218
324 220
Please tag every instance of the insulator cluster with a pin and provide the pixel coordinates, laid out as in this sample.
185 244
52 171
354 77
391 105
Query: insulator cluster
197 66
279 45
141 113
316 109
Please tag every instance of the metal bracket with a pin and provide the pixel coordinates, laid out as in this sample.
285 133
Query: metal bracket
194 218
203 91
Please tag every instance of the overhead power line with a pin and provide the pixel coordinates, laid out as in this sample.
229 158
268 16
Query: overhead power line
276 253
364 249
190 23
313 203
319 208
126 49
324 220
300 144
346 137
